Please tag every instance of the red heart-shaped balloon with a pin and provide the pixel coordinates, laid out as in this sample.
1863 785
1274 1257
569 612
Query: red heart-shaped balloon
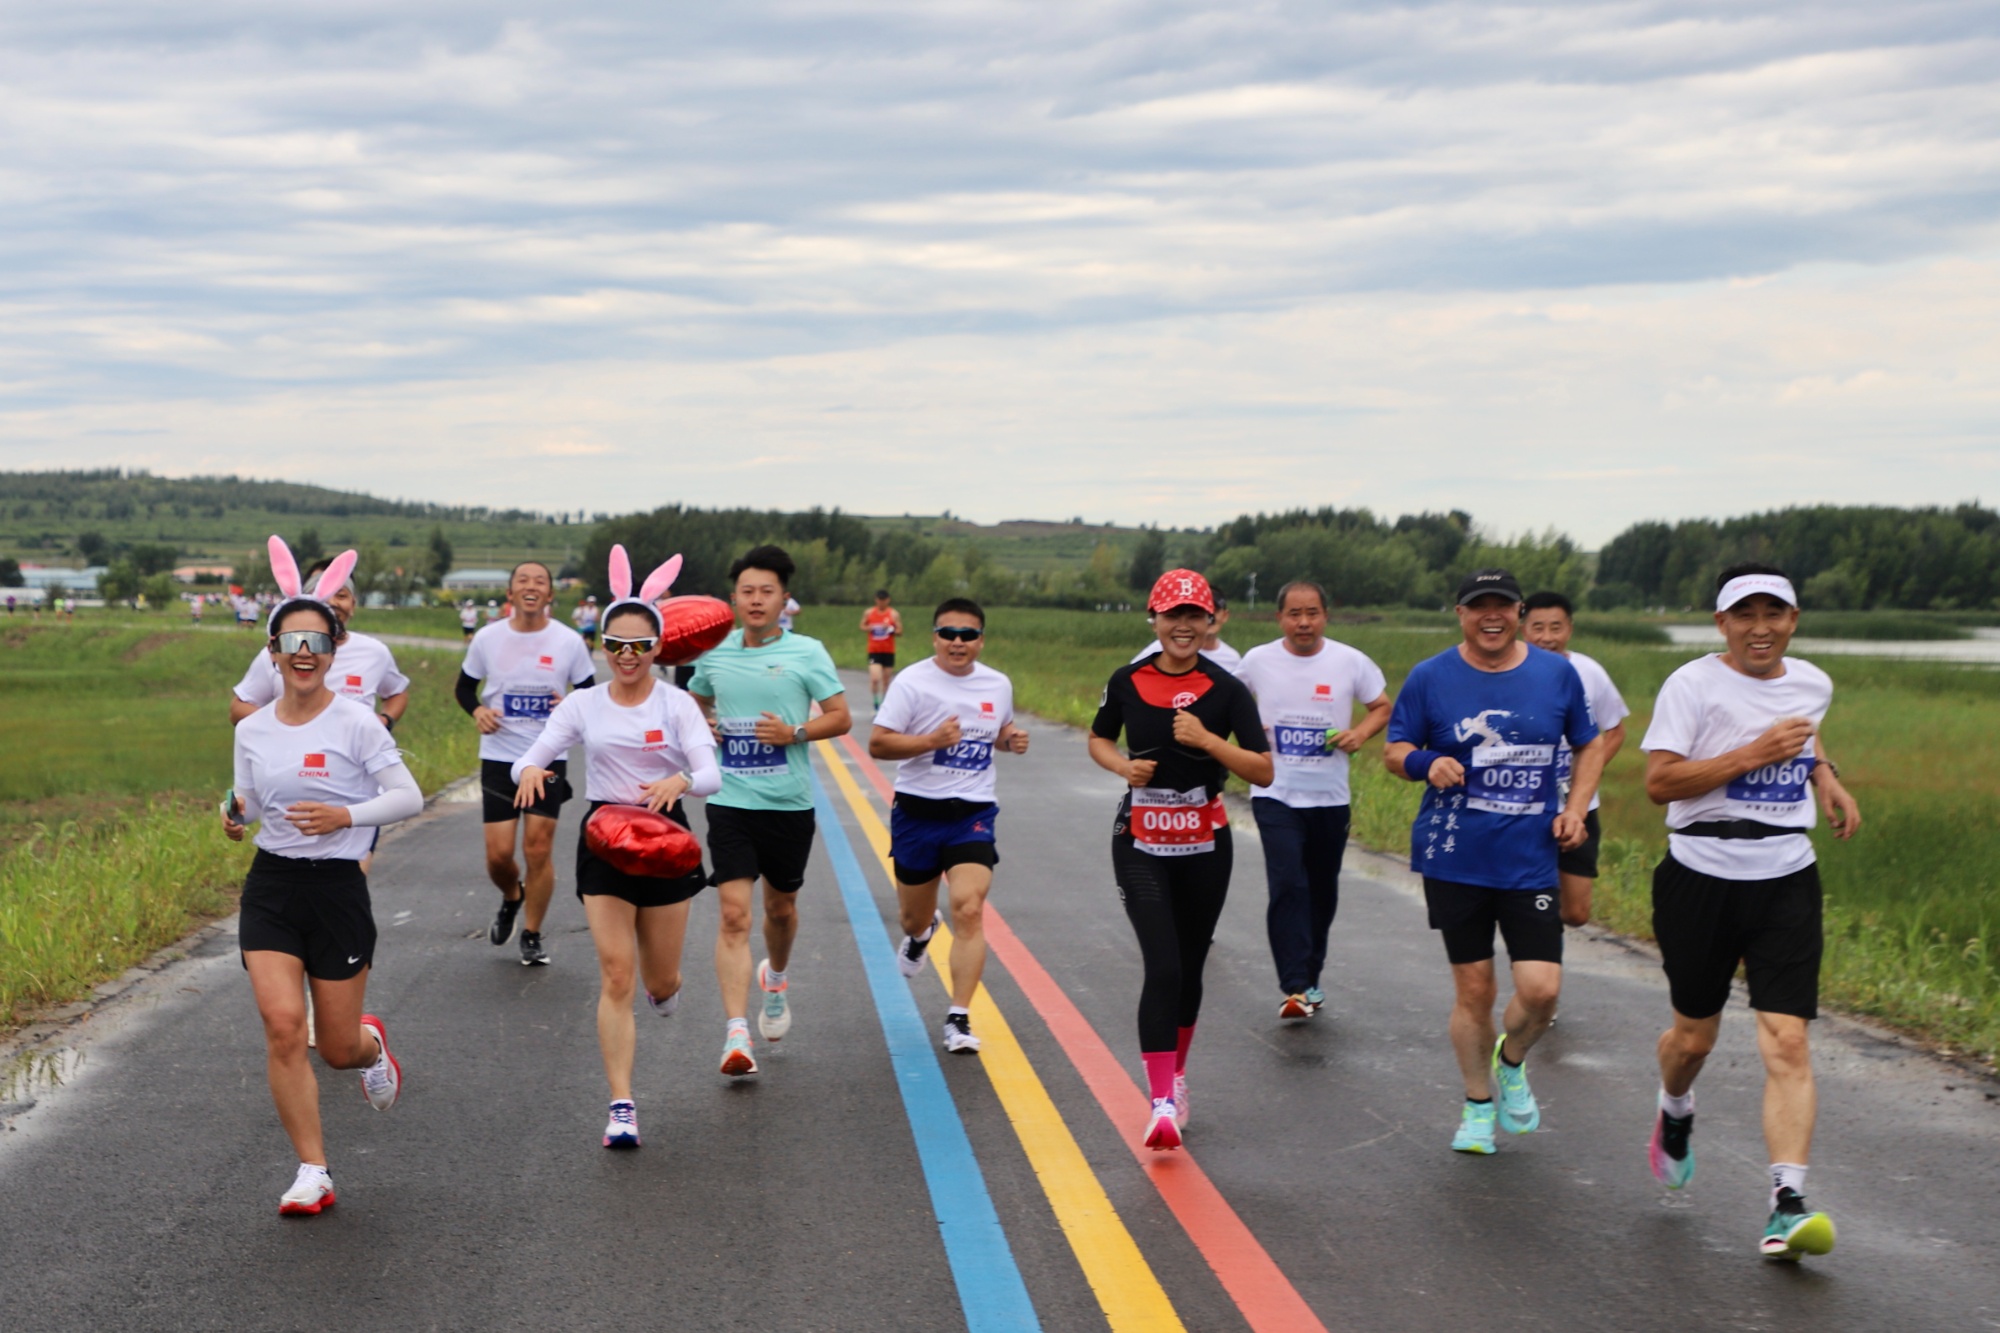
639 842
690 626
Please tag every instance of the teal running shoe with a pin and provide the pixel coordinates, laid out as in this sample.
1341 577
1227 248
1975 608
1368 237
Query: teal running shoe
1671 1151
774 1016
1793 1233
1518 1112
1475 1129
1315 998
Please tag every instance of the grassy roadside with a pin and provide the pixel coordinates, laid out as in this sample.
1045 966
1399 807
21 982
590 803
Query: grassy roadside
115 752
1913 902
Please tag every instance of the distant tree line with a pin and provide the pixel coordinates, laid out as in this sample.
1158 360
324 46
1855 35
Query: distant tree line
1842 558
117 495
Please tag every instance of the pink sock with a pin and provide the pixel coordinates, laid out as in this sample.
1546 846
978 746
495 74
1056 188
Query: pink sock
1181 1044
1159 1072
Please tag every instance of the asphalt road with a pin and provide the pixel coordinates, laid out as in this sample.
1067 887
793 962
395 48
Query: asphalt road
141 1193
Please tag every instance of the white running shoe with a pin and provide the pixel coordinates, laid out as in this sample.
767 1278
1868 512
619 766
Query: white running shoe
736 1058
623 1131
912 952
312 1190
958 1038
774 1018
1162 1133
664 1008
381 1082
1180 1101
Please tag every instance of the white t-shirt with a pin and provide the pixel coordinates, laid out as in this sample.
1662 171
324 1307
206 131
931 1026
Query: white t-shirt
920 698
523 676
1299 698
332 759
785 616
1607 709
1222 655
628 747
1706 709
364 670
468 616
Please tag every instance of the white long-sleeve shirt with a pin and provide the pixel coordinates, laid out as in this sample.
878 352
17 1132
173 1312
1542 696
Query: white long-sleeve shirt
627 748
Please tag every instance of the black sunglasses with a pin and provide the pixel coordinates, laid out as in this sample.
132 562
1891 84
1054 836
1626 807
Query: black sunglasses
958 633
637 647
315 641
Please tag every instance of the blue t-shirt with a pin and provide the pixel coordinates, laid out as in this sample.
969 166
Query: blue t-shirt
1495 830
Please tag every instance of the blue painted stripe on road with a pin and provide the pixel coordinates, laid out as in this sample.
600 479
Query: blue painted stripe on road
990 1289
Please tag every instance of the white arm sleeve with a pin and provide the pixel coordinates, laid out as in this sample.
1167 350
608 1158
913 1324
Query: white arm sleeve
563 730
400 799
706 773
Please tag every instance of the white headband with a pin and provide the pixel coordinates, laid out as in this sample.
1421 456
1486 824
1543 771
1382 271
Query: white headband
1749 585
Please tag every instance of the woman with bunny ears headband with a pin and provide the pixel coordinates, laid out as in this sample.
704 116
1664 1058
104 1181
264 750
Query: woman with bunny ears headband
648 745
317 772
517 670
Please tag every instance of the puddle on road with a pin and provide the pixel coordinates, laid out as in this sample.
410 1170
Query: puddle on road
33 1074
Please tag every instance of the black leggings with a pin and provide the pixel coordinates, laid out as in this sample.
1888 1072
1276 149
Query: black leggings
1173 903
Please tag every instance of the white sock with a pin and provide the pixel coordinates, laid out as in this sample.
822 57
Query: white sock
1787 1176
773 980
959 1009
1678 1107
738 1025
929 931
313 1168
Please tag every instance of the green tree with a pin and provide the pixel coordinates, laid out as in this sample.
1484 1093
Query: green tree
160 590
119 582
440 548
308 549
10 572
1149 560
92 547
153 558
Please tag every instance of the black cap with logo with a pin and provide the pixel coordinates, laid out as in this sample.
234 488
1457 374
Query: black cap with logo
1482 581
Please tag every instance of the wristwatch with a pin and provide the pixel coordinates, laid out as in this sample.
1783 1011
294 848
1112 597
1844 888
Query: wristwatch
798 735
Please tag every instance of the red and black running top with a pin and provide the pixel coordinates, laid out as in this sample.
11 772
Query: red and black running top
1141 701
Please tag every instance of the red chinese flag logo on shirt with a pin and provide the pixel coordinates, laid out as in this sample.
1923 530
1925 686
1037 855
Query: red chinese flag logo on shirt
1322 689
547 660
315 761
354 682
985 705
654 737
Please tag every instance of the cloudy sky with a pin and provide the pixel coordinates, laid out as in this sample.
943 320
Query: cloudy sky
1573 264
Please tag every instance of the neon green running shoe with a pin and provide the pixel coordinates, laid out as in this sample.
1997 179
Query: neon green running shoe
1475 1129
1518 1112
1793 1233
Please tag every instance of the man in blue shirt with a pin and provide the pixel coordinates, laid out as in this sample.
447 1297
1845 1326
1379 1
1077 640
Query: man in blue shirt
1481 723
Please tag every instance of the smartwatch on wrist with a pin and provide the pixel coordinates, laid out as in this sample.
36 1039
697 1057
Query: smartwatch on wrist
798 735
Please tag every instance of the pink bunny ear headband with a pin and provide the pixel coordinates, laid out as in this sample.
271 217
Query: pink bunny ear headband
650 592
291 588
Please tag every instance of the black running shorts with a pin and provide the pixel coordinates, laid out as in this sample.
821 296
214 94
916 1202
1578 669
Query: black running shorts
497 788
1530 921
1583 859
749 844
597 876
882 660
1706 926
316 911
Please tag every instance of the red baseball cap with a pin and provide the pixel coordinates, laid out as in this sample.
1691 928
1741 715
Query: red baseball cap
1181 587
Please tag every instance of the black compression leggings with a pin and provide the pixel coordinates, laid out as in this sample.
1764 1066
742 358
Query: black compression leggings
1173 903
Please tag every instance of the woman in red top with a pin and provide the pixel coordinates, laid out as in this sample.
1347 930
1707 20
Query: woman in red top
1170 844
881 623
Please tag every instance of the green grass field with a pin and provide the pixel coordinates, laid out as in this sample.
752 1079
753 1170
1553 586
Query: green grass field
1913 902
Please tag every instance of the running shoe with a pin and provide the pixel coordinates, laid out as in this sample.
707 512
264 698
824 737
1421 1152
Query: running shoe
958 1038
1180 1100
736 1058
1162 1133
1518 1112
623 1131
503 921
1475 1129
664 1008
1315 998
1793 1233
910 954
381 1082
532 952
1295 1006
1671 1152
774 1020
312 1190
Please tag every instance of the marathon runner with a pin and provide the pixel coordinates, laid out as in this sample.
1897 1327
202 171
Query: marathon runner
1733 747
646 744
943 718
1306 686
468 619
1212 646
584 617
1170 842
316 772
881 623
1548 622
789 614
516 672
758 687
1480 723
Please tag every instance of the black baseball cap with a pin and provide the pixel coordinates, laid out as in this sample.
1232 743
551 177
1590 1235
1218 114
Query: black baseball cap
1482 581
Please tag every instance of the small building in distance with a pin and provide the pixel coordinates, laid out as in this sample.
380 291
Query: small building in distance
475 580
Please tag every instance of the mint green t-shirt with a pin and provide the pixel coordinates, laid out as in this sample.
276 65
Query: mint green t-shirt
784 678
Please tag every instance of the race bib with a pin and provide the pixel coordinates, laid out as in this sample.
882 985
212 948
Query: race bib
746 756
967 755
527 707
1172 823
1510 779
1300 745
878 631
1775 789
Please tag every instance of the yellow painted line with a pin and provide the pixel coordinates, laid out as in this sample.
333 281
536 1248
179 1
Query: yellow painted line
1119 1276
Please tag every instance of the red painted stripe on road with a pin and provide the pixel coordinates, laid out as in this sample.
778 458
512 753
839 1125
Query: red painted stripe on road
1260 1289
